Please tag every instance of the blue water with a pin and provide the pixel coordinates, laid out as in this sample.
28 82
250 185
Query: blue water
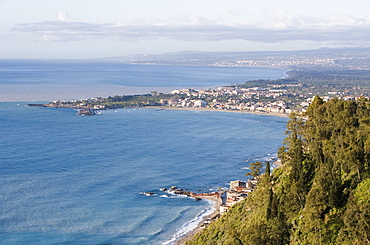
68 179
38 80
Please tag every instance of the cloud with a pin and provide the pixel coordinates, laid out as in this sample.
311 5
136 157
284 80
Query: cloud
63 16
278 26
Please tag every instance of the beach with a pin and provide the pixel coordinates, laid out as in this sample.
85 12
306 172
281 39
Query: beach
211 109
216 203
233 111
77 179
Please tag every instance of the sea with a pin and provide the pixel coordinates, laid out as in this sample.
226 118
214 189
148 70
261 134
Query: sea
68 179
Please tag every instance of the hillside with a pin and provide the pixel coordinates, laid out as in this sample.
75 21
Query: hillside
320 194
333 58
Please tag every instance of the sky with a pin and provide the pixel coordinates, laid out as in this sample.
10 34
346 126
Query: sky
110 28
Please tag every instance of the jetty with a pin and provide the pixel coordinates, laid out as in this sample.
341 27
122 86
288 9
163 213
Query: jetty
86 112
197 196
36 105
237 192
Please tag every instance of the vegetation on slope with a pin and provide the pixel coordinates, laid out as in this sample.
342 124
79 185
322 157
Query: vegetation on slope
320 194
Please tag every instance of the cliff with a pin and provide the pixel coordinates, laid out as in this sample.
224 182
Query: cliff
320 194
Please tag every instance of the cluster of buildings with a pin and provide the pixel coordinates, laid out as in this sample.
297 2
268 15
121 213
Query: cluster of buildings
271 99
232 98
238 191
285 62
279 99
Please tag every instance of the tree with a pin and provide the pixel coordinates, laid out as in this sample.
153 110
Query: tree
255 169
320 194
356 218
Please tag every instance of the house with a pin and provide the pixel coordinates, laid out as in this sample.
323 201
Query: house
237 184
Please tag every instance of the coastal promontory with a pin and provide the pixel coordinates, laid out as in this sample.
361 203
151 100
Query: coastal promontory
320 194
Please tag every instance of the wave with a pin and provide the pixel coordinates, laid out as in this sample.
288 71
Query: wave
267 157
98 197
192 224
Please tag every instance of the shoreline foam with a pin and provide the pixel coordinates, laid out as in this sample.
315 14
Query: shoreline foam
189 229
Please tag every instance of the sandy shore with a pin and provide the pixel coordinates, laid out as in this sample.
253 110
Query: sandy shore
210 109
217 203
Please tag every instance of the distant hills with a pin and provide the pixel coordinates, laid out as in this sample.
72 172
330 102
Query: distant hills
339 58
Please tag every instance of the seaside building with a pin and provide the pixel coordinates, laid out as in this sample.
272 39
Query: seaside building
239 190
237 184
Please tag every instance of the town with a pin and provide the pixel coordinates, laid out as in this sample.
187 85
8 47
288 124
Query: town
333 58
340 73
274 98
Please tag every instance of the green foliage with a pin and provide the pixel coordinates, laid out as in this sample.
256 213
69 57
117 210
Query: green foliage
356 218
320 194
255 168
246 222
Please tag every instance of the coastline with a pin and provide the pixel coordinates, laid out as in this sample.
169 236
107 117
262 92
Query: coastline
275 114
181 237
210 109
201 221
216 203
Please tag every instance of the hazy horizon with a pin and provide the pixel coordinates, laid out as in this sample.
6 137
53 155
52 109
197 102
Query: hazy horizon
93 29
